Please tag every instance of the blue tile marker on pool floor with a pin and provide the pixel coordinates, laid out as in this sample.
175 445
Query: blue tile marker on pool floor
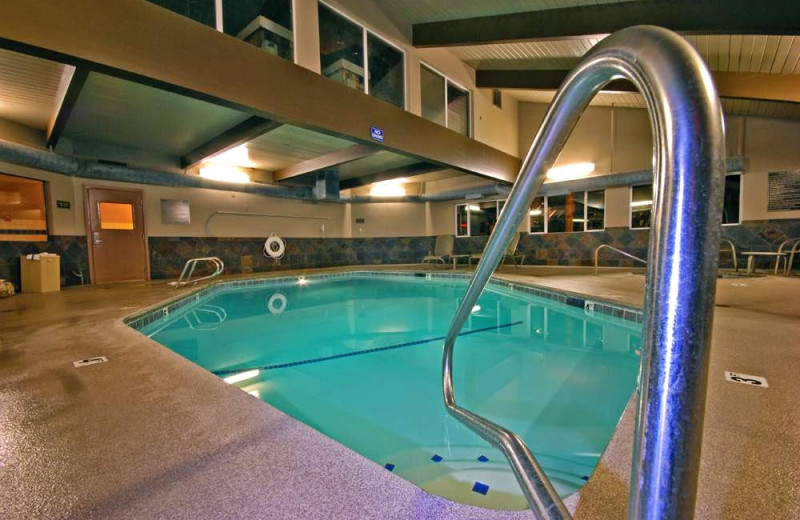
483 458
389 466
436 458
481 488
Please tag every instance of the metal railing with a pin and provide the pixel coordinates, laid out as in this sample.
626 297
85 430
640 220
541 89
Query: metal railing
689 178
787 262
191 264
620 251
733 253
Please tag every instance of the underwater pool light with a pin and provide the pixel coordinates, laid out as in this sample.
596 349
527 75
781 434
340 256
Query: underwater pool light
302 280
241 376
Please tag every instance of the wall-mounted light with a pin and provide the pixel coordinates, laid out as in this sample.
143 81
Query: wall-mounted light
570 172
390 188
474 207
224 172
535 212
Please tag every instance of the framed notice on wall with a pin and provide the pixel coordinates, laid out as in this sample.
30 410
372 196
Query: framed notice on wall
784 190
175 212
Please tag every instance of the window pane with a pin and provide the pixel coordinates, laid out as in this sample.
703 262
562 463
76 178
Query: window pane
341 47
22 209
432 86
461 221
115 215
264 23
595 210
385 71
641 205
457 109
565 213
537 215
482 218
198 10
730 208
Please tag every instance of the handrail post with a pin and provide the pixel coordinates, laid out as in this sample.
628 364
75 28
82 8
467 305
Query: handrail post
688 132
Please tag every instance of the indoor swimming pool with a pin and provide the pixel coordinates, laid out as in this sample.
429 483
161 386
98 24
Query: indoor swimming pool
358 357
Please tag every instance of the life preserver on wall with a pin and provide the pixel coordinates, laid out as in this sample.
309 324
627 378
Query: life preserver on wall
274 247
277 303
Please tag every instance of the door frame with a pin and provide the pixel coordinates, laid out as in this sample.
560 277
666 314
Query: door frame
87 215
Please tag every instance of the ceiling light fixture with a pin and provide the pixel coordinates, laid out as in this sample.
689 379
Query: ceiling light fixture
224 173
570 172
390 188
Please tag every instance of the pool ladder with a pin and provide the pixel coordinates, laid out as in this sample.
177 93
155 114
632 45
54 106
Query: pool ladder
689 175
731 249
191 264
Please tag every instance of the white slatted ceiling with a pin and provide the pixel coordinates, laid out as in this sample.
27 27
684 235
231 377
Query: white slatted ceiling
28 88
288 145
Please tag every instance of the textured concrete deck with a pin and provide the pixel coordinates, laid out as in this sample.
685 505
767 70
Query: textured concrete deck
150 435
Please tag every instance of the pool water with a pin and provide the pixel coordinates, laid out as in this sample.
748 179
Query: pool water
359 359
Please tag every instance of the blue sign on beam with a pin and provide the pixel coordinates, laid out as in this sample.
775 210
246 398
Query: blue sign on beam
376 134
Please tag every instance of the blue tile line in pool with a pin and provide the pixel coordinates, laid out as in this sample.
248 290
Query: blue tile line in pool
359 352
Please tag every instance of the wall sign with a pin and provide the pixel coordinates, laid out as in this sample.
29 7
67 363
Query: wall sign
745 379
175 212
784 190
376 134
64 204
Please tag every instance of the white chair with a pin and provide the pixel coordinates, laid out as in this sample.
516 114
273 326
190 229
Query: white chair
443 250
511 252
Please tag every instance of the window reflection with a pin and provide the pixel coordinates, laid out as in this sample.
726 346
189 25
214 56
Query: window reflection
267 24
386 71
341 45
202 11
641 206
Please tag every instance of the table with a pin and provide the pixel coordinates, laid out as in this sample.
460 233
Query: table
751 256
455 259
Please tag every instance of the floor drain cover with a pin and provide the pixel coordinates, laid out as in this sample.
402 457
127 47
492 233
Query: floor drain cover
89 361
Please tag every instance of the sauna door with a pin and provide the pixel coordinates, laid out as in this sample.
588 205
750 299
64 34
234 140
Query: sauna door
116 235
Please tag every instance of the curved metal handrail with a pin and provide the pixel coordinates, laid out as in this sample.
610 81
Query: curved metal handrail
733 253
620 251
188 270
787 262
689 170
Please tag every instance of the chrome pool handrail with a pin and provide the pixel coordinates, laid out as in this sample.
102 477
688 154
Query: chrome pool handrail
188 270
689 167
620 251
733 253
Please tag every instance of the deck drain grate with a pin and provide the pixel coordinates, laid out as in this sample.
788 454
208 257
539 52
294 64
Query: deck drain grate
89 361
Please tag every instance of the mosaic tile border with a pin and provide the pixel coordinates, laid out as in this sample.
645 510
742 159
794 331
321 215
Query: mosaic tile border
171 306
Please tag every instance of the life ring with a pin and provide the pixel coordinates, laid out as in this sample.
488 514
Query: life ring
274 247
277 303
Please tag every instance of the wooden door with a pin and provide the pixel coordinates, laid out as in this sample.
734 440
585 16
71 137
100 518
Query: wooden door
116 235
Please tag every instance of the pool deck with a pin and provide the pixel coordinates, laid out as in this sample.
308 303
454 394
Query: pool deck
151 435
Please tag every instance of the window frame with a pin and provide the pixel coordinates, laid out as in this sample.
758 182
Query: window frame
585 215
469 215
741 197
630 206
365 31
448 81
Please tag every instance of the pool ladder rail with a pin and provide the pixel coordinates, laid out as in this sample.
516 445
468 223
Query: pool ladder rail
191 264
787 262
731 249
689 177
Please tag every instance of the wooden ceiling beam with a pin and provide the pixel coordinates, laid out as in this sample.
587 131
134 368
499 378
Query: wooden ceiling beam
324 162
411 170
685 16
240 134
69 89
741 85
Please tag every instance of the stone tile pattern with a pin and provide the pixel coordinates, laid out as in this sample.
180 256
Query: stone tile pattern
577 249
245 255
73 251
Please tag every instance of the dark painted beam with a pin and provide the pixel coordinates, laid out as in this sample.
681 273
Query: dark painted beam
404 171
72 81
325 162
685 16
784 88
240 134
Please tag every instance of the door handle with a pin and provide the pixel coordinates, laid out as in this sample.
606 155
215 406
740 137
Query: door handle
96 238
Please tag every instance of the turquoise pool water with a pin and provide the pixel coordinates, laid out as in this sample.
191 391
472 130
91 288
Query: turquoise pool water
359 359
